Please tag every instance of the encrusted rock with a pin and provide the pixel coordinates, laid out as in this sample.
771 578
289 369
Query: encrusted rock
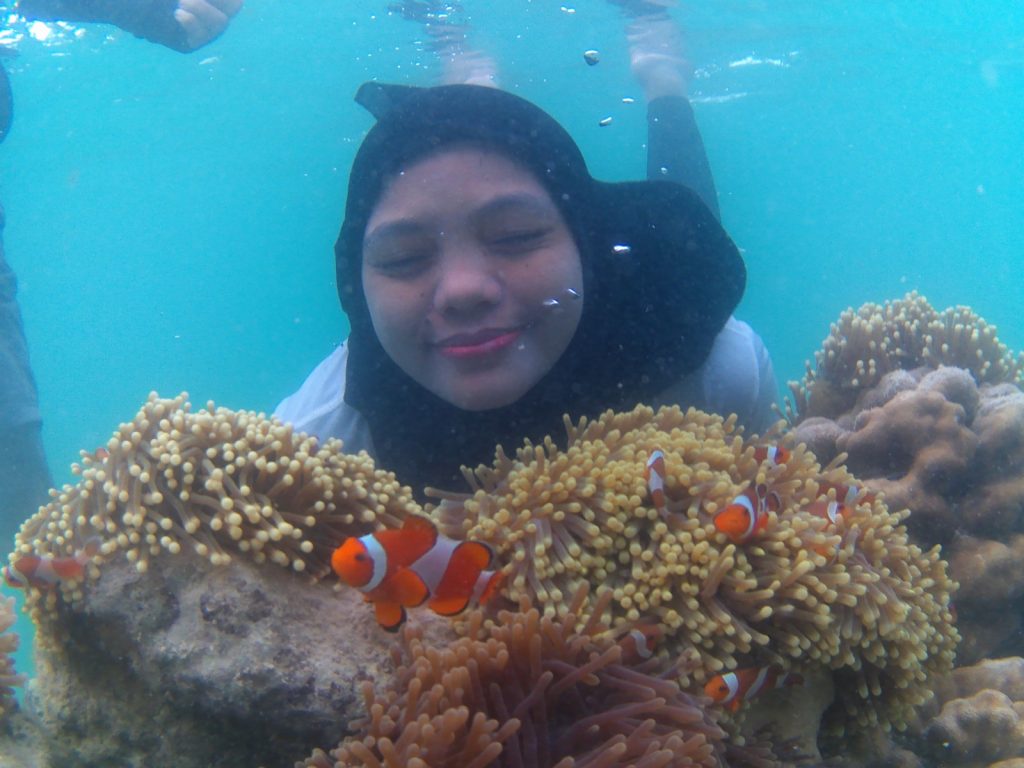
192 664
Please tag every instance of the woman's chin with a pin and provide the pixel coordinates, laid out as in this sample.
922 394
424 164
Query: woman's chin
484 393
482 401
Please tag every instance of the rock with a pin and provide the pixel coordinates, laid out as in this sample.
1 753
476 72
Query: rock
197 665
983 728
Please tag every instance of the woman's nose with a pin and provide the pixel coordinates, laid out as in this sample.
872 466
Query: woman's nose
468 281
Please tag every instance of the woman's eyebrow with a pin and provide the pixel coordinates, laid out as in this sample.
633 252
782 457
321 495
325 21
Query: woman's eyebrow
393 230
516 203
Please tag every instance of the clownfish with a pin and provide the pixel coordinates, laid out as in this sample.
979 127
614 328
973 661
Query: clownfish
850 495
654 474
830 510
747 514
772 454
640 643
403 569
734 688
45 571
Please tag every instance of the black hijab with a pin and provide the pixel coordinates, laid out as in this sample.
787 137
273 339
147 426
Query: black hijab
661 277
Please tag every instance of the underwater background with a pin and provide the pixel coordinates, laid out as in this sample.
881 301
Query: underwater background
171 218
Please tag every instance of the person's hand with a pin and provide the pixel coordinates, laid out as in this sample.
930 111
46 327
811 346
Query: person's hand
204 20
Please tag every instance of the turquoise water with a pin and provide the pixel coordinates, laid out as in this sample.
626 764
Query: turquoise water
171 218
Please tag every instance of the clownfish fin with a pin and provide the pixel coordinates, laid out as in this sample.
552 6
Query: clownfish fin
390 616
89 550
68 568
407 588
735 704
494 580
420 525
474 555
449 606
468 560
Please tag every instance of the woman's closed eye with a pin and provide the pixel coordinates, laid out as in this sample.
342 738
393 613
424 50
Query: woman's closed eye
519 241
399 263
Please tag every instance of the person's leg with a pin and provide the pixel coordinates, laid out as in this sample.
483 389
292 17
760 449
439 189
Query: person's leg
24 475
658 61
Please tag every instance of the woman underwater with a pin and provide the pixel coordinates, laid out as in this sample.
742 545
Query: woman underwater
493 285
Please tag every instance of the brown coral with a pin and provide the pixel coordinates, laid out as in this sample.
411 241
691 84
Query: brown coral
528 690
916 449
876 612
218 482
928 405
950 451
977 730
9 680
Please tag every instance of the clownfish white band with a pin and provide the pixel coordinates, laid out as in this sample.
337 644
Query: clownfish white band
733 683
752 512
432 565
643 649
758 684
379 558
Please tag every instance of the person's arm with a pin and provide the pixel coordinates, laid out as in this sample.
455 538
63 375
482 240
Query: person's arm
675 149
183 25
24 474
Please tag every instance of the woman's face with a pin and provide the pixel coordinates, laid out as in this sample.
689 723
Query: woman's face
472 278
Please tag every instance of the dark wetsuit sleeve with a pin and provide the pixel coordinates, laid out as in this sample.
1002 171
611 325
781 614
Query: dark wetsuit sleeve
675 150
17 387
152 19
24 476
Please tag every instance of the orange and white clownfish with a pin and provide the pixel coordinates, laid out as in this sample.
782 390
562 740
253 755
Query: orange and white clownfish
654 474
734 688
850 495
403 569
640 642
772 454
830 510
747 514
833 511
45 571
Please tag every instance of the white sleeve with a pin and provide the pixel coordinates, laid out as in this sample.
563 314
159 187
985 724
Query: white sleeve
738 377
319 408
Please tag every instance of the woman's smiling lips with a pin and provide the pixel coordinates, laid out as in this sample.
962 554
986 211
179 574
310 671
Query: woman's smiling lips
479 342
